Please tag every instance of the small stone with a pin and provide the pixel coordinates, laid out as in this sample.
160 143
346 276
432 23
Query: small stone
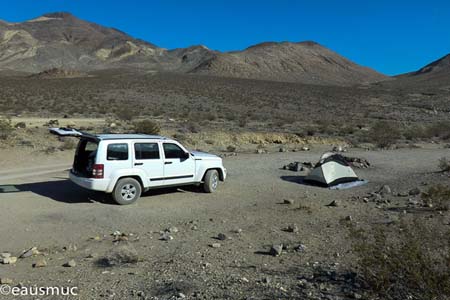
385 190
5 280
41 263
414 192
259 151
244 279
276 250
300 248
9 260
333 203
215 245
348 218
5 255
166 237
266 280
282 150
70 264
222 237
30 252
288 201
238 231
292 228
181 295
356 296
172 229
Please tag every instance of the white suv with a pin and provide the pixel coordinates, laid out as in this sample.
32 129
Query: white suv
127 164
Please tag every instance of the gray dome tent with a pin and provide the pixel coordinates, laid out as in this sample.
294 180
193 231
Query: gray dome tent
332 169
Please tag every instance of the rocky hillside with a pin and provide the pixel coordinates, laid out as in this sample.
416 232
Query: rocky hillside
439 66
60 40
306 62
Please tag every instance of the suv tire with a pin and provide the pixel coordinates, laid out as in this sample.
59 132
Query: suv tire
126 191
211 181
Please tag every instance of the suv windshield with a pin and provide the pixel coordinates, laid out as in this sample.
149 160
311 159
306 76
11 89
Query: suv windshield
85 157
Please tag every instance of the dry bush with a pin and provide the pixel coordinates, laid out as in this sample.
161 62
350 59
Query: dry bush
412 263
147 127
383 134
437 196
6 129
444 164
68 144
440 130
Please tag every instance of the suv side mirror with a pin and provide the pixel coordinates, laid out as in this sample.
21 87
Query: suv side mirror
186 155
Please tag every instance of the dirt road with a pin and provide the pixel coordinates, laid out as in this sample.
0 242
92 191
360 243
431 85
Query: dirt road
40 207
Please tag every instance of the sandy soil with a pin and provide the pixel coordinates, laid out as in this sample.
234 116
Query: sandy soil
64 222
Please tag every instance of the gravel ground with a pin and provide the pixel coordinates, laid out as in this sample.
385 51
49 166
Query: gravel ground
64 222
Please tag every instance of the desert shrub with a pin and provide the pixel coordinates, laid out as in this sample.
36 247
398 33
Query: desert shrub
440 130
20 125
147 127
383 134
437 196
412 263
444 164
6 130
415 132
125 114
68 144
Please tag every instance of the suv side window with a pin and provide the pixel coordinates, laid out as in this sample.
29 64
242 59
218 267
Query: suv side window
173 151
117 152
146 151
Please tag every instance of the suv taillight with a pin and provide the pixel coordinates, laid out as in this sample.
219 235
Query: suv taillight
97 171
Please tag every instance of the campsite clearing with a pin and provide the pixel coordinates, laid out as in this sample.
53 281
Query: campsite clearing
66 222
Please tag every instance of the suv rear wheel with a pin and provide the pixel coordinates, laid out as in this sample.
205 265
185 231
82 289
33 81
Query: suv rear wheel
126 191
211 181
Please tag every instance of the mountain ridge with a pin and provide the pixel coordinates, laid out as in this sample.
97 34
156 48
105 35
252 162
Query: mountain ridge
61 40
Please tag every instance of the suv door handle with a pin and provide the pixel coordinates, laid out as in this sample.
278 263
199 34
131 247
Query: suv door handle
167 162
138 164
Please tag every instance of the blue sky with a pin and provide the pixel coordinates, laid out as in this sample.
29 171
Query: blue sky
390 36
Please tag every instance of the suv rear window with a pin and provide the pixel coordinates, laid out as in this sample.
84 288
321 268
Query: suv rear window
117 152
146 151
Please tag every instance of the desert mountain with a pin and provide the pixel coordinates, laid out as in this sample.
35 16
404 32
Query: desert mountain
437 67
306 62
60 40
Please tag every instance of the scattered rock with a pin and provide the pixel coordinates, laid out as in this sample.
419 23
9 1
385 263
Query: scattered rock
41 263
292 228
30 252
166 237
334 203
5 255
238 230
276 250
414 192
70 264
288 201
121 255
222 237
305 148
172 229
5 280
295 166
9 260
282 149
358 162
215 245
300 248
266 280
348 218
385 190
260 151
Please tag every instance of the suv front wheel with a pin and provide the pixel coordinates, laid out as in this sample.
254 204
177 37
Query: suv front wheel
211 181
126 191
